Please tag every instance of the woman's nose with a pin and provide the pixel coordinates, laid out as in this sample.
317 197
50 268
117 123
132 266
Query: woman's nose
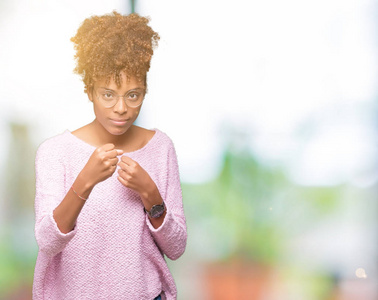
120 107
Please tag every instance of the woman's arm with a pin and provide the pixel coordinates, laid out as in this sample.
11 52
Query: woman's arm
133 176
171 236
169 230
100 166
67 212
57 210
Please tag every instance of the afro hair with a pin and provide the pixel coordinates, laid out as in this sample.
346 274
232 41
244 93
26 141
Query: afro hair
110 44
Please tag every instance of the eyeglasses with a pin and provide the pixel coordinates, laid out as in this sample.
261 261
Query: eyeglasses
108 98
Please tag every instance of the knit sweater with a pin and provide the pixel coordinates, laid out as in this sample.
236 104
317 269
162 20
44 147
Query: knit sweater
113 252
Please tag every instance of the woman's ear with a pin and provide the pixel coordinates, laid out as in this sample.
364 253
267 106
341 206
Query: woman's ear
90 93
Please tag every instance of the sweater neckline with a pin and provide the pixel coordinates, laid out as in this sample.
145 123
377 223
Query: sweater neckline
89 146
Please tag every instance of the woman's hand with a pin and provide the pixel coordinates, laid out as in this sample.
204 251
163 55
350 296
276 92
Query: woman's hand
101 165
133 176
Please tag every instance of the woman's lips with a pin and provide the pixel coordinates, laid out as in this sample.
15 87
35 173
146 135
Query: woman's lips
119 122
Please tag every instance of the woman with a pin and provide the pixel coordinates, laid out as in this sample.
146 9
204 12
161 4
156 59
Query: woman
108 198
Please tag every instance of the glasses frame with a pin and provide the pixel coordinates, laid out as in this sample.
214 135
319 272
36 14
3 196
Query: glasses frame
120 96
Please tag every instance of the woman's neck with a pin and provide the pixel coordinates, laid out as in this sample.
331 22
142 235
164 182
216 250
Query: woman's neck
101 136
133 139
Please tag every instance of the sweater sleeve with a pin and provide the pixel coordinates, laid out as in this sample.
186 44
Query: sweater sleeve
171 236
50 192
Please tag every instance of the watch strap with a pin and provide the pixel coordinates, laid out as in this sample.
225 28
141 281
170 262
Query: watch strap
154 207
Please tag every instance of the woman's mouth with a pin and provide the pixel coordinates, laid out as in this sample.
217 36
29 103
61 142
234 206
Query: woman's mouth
119 122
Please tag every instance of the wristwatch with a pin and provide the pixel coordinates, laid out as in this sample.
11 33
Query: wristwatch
156 210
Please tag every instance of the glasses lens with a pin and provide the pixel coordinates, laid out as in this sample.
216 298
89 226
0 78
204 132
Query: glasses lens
107 98
134 98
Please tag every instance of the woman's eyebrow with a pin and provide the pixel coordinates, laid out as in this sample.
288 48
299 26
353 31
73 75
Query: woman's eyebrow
105 88
137 88
131 90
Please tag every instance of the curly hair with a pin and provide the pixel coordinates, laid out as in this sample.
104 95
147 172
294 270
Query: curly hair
110 44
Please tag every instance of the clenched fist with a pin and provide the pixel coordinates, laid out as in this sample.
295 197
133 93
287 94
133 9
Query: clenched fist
133 176
102 164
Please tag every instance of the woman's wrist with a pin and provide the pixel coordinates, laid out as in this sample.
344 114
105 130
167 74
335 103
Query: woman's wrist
151 196
83 186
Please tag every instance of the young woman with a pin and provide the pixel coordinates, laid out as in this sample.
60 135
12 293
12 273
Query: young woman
108 197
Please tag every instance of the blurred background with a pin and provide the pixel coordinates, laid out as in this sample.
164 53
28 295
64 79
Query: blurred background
272 106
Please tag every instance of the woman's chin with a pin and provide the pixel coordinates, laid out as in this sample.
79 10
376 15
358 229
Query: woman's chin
118 130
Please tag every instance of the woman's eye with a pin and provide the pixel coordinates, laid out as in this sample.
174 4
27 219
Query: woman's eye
108 95
133 96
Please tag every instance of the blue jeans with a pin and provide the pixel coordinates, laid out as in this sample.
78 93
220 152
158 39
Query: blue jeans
158 298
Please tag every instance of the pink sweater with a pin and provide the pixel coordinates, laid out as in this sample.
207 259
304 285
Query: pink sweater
113 251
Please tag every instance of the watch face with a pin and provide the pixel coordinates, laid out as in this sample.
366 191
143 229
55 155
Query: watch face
157 211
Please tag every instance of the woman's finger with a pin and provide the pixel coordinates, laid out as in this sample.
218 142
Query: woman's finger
123 165
123 181
113 153
113 161
127 160
127 163
107 147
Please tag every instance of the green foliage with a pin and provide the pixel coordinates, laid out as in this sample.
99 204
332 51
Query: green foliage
245 212
240 203
14 272
18 249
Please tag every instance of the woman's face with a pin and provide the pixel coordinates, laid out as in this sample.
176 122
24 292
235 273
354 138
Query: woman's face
116 119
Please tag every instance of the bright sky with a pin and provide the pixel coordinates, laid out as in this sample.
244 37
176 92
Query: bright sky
298 77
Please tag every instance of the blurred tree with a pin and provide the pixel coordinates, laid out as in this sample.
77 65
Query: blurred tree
132 3
242 205
244 218
17 246
19 172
